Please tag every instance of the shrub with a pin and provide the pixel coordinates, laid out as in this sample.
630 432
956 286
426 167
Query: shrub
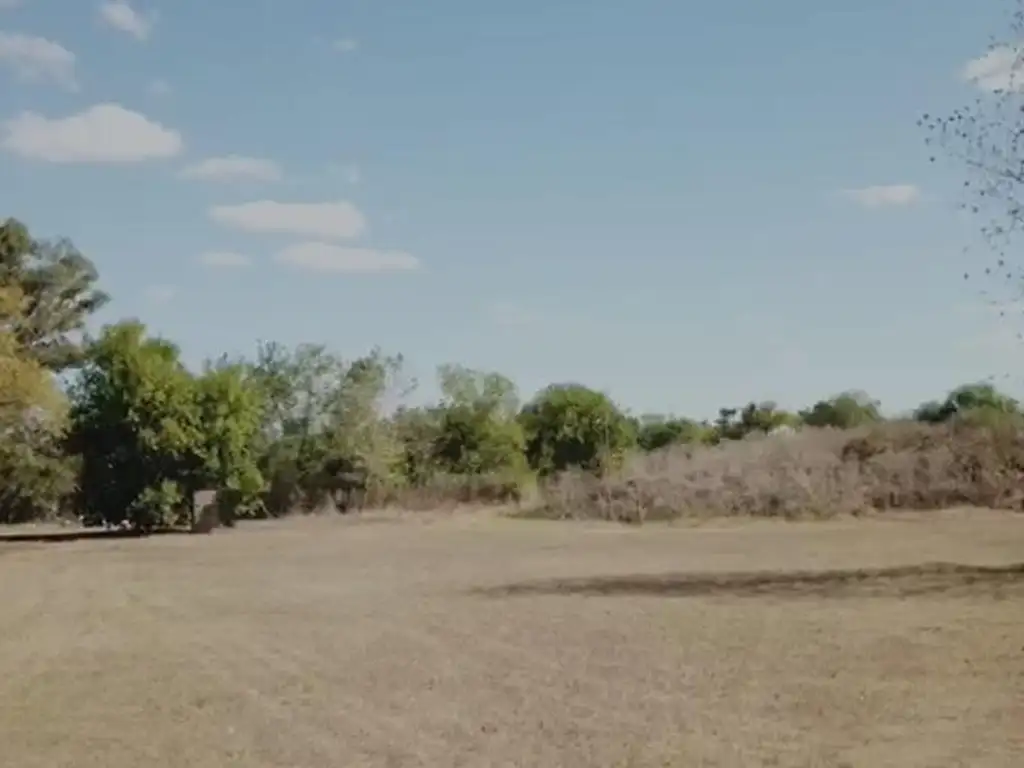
573 426
815 472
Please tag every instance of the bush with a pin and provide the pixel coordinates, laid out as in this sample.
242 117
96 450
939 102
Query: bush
814 472
572 426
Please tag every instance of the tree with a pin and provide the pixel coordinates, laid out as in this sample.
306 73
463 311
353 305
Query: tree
986 140
58 285
981 400
570 425
230 407
845 411
737 423
149 433
655 432
478 432
298 387
136 426
34 475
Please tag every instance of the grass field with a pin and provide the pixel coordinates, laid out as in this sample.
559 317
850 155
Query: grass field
474 641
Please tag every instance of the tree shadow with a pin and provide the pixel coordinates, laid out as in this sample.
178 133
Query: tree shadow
900 581
84 534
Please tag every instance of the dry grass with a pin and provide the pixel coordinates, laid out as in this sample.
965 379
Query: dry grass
814 473
474 641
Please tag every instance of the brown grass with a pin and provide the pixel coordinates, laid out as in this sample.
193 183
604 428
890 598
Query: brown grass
464 640
814 473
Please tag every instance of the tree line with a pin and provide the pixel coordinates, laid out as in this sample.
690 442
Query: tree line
114 428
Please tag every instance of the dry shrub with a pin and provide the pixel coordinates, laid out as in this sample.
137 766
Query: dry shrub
814 472
450 490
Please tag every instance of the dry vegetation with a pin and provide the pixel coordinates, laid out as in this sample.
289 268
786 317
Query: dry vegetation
814 472
477 641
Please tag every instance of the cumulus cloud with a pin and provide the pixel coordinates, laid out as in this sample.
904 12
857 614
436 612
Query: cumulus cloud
330 220
224 259
882 196
38 59
119 15
234 168
998 70
105 133
326 257
346 45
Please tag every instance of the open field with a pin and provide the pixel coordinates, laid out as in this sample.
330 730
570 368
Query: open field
485 642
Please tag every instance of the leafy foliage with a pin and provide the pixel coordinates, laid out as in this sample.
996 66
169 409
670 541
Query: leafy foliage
302 428
570 425
58 285
845 411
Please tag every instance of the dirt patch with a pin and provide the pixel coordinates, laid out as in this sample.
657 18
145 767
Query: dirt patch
326 642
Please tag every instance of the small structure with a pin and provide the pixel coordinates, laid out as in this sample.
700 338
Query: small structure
205 511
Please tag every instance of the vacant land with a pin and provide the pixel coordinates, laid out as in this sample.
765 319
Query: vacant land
482 642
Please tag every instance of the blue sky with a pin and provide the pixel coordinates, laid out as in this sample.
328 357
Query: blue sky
685 204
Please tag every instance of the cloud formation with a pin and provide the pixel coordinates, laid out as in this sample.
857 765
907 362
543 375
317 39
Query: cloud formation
234 168
326 257
36 59
330 220
224 259
886 195
105 133
346 45
119 15
998 70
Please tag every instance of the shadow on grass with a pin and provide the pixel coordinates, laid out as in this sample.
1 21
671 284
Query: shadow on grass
83 534
902 581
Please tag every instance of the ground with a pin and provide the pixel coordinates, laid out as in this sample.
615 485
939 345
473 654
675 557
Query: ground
474 641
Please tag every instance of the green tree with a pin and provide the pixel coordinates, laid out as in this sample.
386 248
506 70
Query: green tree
149 433
478 432
570 425
845 411
34 474
230 406
979 401
299 387
58 285
135 423
655 431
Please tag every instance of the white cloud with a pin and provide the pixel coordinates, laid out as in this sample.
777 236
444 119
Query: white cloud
119 15
346 45
331 220
325 257
36 58
234 168
159 294
224 259
105 133
998 70
6 4
881 196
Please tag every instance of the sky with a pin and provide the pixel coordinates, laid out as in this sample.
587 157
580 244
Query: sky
687 205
